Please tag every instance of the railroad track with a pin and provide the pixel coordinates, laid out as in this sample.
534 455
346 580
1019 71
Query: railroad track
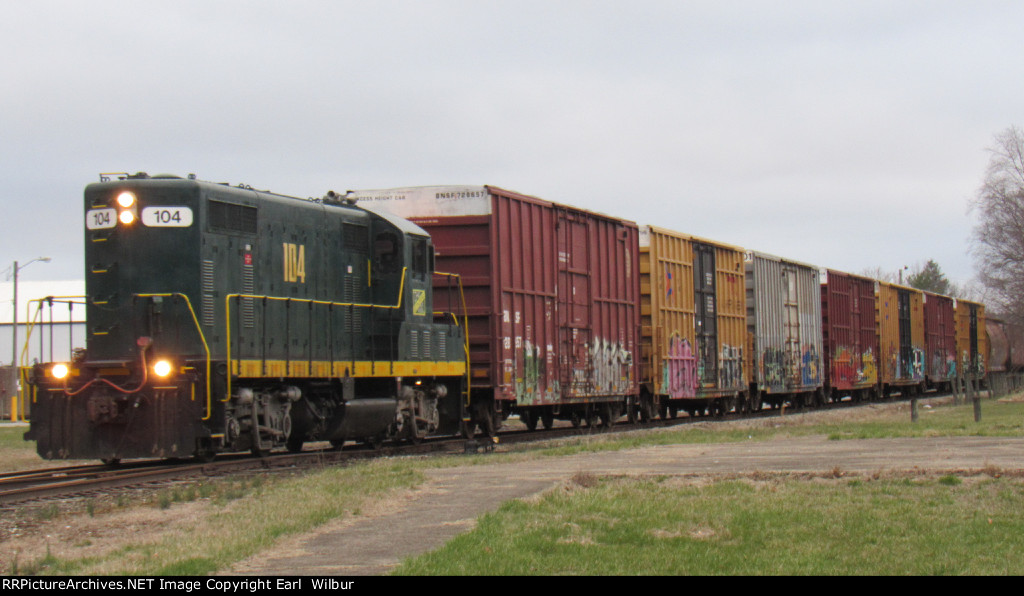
87 480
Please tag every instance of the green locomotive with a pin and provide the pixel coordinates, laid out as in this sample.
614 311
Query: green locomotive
224 318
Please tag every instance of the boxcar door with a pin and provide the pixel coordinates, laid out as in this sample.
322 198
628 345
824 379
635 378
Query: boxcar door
906 348
973 335
791 322
574 303
706 317
864 332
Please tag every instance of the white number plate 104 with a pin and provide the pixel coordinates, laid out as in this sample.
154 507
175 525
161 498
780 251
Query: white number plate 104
99 219
167 217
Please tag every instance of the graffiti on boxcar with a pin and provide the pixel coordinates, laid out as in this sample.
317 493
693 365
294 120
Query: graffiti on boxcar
534 385
893 367
917 363
679 369
943 365
868 372
843 369
809 371
606 371
975 367
848 368
773 367
731 368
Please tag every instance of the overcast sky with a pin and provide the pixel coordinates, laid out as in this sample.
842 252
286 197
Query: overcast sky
844 134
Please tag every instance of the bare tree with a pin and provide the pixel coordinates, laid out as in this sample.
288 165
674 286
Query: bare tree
879 274
998 242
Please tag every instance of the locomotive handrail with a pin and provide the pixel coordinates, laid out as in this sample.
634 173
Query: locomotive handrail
310 301
30 327
31 319
202 337
465 331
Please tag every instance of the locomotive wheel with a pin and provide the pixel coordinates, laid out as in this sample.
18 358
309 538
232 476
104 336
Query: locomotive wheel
204 455
294 443
374 442
414 431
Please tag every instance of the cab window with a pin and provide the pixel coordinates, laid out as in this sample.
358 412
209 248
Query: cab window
387 252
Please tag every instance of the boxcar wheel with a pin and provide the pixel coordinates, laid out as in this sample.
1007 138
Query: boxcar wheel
529 418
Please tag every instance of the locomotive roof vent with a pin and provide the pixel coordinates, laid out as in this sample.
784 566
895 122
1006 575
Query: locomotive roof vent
334 198
106 176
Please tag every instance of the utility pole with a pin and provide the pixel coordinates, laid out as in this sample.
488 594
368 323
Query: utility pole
14 319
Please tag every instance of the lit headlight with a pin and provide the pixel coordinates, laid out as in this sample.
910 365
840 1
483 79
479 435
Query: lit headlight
162 368
126 199
126 217
59 371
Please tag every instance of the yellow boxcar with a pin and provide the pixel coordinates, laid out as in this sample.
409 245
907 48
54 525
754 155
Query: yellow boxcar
971 339
901 342
693 315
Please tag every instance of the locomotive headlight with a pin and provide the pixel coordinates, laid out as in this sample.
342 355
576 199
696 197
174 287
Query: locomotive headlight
162 368
59 371
126 199
126 217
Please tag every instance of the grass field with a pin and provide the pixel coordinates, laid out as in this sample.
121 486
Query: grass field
884 526
767 524
773 524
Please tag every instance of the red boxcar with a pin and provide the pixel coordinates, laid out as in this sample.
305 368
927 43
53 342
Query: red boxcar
552 291
850 336
939 339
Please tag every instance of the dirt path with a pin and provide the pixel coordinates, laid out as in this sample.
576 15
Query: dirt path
449 502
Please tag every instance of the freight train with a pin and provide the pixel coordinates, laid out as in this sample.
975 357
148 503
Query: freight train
225 318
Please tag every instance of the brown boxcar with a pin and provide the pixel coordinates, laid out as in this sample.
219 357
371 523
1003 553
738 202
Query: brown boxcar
939 339
971 339
999 348
1005 374
784 323
849 336
552 293
694 324
900 337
